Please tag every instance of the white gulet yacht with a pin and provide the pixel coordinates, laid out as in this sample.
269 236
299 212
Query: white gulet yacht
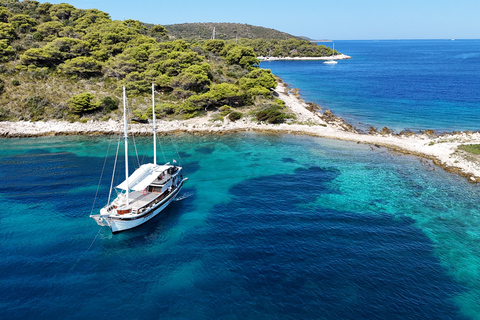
145 193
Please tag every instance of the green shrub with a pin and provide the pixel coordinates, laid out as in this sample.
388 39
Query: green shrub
225 110
234 116
244 56
15 82
194 78
4 14
258 91
271 115
137 113
163 109
108 104
82 103
168 108
187 116
158 30
219 94
38 36
81 66
258 78
6 51
215 46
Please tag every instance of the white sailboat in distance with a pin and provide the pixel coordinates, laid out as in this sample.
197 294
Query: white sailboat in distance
143 194
333 54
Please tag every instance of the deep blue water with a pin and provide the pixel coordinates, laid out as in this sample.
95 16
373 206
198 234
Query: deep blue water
401 84
276 227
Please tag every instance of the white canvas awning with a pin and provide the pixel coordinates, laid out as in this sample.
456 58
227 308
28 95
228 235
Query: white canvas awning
142 177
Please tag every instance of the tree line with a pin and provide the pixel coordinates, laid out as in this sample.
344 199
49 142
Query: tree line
286 48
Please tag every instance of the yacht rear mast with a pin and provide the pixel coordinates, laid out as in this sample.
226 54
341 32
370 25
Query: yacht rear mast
126 139
154 126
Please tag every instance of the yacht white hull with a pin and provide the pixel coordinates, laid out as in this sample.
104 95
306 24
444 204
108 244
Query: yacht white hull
118 223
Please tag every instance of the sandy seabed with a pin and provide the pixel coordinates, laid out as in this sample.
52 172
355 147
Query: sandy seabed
441 150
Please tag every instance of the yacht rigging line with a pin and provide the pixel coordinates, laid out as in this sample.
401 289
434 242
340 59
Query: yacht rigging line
113 174
88 249
101 175
136 151
163 153
178 154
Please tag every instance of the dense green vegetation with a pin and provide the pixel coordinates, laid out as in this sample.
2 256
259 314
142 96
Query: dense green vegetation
286 48
223 31
60 62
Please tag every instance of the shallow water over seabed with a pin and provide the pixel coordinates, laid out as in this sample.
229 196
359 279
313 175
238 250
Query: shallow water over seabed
277 227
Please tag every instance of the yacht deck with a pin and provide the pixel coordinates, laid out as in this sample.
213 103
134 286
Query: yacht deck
138 200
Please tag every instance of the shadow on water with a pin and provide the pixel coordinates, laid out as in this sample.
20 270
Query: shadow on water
205 150
191 167
278 258
184 155
288 160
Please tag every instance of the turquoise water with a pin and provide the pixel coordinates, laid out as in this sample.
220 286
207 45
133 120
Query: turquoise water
401 84
275 227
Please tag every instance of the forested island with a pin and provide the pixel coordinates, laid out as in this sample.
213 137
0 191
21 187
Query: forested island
223 31
61 62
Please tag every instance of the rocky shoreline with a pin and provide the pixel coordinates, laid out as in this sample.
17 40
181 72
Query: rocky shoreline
440 149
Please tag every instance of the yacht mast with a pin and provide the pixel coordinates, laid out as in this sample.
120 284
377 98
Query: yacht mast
154 127
126 140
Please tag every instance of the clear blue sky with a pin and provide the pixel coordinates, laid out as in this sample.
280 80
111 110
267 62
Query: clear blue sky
332 19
